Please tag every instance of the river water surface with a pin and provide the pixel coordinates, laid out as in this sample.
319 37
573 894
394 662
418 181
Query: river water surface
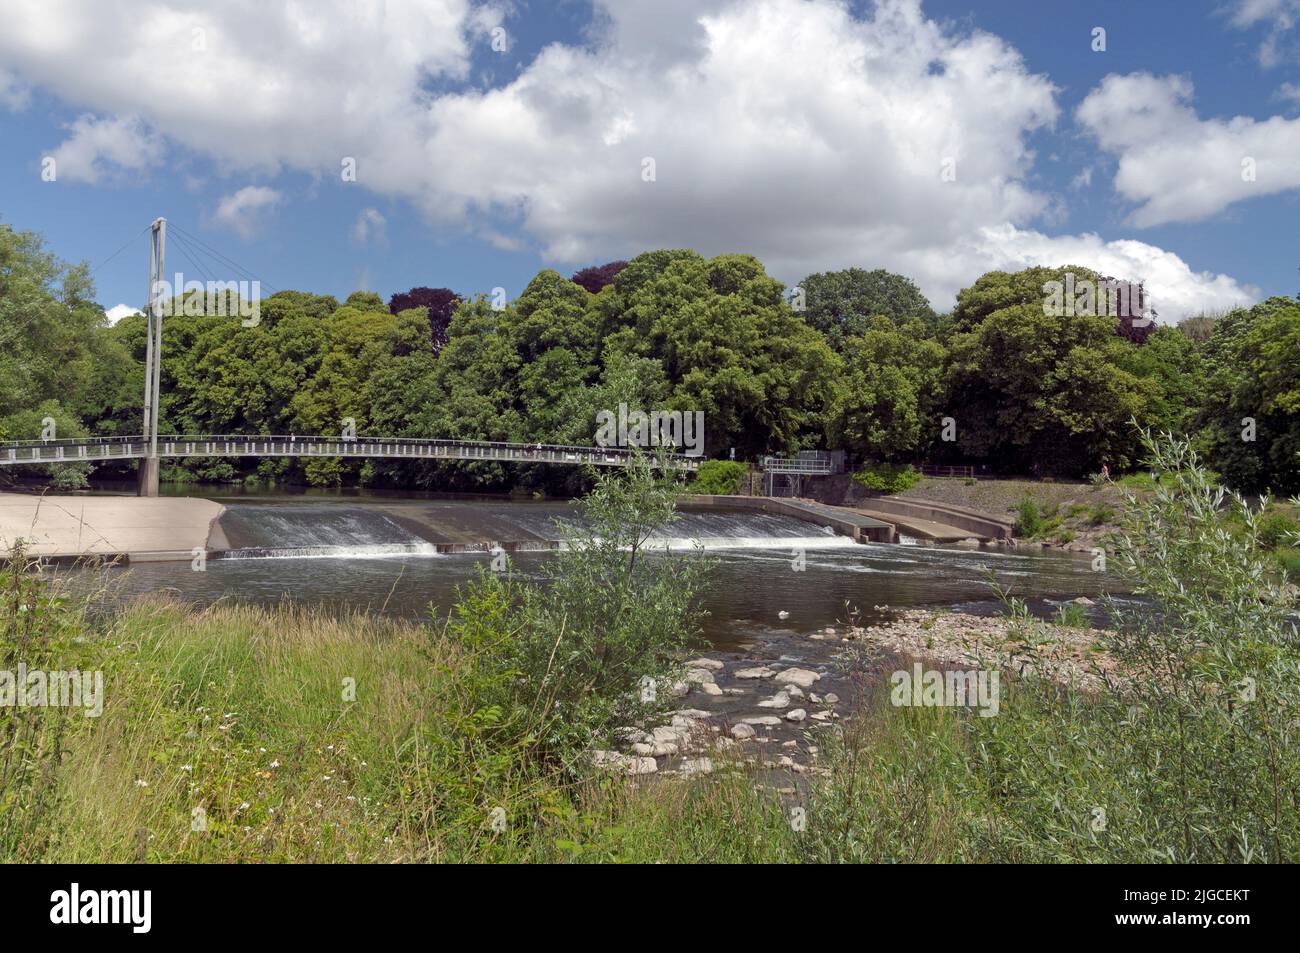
380 551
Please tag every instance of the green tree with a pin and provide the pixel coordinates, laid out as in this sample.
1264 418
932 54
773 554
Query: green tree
1032 386
842 303
1251 418
892 384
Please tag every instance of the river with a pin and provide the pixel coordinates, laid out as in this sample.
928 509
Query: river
359 549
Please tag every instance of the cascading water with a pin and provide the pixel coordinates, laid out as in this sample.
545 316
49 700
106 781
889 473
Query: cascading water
302 530
306 531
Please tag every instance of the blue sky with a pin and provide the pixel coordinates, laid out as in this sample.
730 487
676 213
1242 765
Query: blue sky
803 131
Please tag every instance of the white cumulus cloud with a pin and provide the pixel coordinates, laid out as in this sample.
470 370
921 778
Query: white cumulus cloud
120 311
103 148
1181 168
245 212
801 131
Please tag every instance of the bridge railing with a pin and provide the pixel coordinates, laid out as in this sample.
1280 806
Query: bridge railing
218 445
797 465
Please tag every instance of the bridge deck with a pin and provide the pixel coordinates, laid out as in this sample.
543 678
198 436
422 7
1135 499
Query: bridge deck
91 449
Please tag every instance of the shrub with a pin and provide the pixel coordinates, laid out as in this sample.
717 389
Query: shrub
888 477
593 646
1276 529
1029 520
1100 515
718 477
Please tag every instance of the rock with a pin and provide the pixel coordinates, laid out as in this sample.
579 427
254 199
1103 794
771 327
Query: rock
665 735
794 691
761 671
693 713
797 676
814 698
829 630
724 744
641 766
709 688
783 614
697 766
821 715
742 731
649 748
698 676
779 700
830 698
733 691
796 714
613 761
1083 601
679 689
631 735
768 720
710 663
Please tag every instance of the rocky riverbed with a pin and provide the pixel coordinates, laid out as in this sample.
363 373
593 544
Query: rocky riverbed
764 706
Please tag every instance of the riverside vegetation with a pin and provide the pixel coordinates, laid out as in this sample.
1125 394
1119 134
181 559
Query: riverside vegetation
249 734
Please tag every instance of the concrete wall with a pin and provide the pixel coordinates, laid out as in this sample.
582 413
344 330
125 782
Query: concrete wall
843 490
854 525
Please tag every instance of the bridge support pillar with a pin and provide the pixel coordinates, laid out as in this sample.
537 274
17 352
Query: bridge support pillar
148 477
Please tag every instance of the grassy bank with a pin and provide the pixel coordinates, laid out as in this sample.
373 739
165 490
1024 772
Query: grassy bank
226 737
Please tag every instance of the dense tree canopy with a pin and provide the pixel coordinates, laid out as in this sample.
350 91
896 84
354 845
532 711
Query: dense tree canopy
596 277
1032 387
1251 417
1028 385
842 303
439 305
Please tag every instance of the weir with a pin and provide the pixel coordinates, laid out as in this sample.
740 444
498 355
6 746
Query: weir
379 528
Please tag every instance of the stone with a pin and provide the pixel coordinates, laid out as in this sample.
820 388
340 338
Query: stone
761 671
709 663
742 731
631 736
830 698
829 630
697 676
768 720
821 715
779 700
796 714
697 766
693 713
679 689
641 766
710 688
794 691
797 676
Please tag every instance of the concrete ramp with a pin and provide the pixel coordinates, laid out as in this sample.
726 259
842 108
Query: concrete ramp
861 527
938 522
